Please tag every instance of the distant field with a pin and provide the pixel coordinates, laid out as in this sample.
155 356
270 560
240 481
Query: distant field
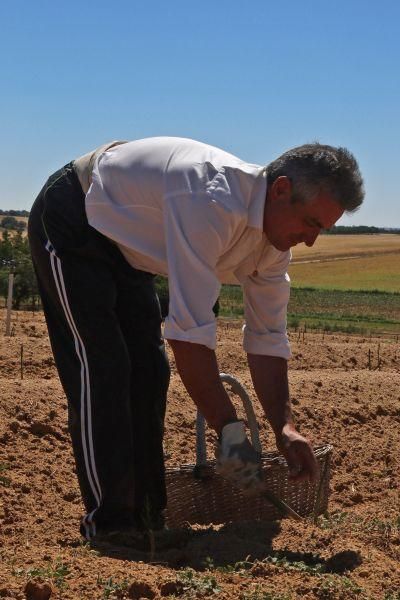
329 309
344 262
345 310
380 272
328 247
334 284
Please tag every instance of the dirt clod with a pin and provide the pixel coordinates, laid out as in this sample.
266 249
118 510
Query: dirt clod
37 591
140 589
171 588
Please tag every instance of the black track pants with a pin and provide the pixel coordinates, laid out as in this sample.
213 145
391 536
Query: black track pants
104 324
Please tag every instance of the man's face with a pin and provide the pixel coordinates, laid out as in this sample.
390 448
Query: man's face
287 223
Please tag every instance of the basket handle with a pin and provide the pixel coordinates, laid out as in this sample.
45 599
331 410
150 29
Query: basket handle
237 388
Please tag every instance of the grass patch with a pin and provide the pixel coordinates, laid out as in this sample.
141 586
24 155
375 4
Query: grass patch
349 311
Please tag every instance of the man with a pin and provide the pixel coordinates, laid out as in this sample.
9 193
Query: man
100 229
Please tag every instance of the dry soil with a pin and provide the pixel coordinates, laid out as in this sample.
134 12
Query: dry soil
341 394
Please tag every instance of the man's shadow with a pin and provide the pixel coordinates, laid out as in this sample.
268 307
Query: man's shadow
233 546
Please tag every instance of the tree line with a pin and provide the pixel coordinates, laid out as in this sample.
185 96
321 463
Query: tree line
359 229
14 213
10 222
15 258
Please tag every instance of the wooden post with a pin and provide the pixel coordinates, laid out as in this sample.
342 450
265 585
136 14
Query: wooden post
22 361
9 303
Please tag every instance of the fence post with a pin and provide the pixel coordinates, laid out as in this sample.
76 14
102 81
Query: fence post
9 303
22 361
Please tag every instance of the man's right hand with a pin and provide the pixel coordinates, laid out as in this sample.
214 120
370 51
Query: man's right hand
237 461
299 455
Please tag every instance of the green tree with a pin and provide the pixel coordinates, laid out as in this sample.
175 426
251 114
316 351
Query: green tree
15 257
9 223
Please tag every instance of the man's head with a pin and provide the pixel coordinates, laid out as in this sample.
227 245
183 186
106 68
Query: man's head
308 189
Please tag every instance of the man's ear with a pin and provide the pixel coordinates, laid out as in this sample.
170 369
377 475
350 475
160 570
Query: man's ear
281 189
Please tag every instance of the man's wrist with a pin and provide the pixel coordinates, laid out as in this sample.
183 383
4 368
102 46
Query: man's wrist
285 429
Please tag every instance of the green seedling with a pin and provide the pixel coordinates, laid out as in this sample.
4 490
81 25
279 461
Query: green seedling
111 586
195 584
259 594
237 567
55 572
331 520
279 559
332 586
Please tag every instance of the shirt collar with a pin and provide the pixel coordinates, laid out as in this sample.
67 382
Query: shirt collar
257 200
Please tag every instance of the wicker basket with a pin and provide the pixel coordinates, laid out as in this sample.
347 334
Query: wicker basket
198 495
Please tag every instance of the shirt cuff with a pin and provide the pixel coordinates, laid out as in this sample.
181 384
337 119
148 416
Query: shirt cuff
204 334
268 343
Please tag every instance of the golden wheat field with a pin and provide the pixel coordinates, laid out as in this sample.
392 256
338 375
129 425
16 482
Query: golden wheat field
336 246
357 262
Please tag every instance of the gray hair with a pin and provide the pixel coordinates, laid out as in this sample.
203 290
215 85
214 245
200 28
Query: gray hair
315 168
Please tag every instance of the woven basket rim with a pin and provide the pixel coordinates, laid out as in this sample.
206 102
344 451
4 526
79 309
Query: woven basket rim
271 459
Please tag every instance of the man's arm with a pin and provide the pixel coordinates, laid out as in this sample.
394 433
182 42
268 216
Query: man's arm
198 369
270 380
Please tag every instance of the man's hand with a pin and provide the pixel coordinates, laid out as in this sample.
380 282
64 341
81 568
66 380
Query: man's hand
237 461
298 453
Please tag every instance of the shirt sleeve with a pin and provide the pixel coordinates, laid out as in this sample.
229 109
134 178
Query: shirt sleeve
197 229
266 297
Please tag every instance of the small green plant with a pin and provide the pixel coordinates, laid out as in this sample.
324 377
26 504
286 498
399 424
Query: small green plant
392 596
386 528
111 587
334 586
3 479
290 561
84 547
55 572
260 594
331 520
195 584
237 567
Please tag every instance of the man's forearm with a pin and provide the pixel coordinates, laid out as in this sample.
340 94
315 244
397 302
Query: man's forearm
198 369
270 380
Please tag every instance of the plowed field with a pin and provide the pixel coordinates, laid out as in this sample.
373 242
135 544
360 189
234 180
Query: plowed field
342 394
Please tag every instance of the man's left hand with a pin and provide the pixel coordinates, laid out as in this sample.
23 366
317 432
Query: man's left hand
298 453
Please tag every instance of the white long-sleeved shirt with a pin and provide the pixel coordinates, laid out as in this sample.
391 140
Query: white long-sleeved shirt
194 213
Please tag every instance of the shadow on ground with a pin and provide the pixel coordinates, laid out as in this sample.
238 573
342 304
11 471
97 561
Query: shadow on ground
224 547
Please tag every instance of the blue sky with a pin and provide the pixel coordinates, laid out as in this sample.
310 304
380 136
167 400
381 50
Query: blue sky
254 78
